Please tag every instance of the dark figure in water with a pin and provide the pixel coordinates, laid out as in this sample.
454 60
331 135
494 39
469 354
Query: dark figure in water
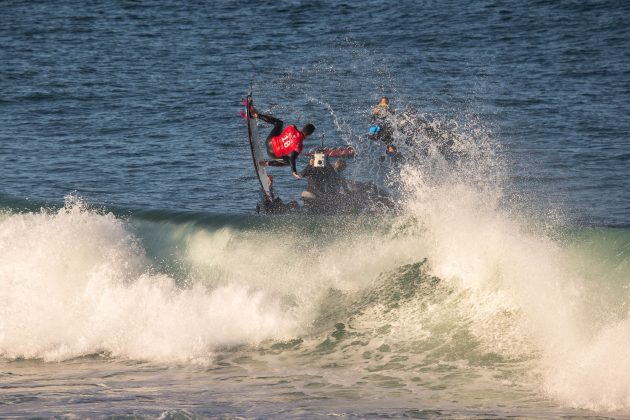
284 145
323 180
381 128
326 186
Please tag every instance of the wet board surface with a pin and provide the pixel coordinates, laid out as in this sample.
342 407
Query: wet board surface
256 148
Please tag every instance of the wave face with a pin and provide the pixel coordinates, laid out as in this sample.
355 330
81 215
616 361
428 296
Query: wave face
468 292
461 290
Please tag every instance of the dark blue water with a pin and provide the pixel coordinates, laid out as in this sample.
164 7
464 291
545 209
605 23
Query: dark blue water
499 288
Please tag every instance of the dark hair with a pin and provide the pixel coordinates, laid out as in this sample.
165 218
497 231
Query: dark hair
308 129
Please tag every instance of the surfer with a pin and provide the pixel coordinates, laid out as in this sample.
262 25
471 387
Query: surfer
381 128
382 110
284 144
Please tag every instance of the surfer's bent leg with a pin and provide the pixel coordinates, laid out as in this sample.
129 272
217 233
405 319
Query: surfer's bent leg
270 149
283 161
278 125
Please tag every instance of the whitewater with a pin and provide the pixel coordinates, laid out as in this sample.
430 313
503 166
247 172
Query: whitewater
460 303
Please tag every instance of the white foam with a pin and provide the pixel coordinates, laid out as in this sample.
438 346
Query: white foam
75 282
596 375
507 266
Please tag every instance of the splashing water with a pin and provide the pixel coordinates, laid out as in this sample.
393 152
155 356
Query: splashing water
458 281
505 265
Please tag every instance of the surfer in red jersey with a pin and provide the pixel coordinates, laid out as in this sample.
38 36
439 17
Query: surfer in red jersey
284 144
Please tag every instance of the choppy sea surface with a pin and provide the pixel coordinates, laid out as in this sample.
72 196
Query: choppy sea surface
136 278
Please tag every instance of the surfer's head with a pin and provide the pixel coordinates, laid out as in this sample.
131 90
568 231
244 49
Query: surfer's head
384 101
308 129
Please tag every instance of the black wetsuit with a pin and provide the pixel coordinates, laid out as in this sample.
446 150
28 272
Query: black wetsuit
382 120
278 126
322 181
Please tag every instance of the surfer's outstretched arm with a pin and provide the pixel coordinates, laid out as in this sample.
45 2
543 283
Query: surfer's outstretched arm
290 159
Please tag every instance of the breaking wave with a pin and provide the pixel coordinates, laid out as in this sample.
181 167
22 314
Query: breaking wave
458 280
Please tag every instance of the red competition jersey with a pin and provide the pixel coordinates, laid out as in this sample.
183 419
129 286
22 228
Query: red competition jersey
289 141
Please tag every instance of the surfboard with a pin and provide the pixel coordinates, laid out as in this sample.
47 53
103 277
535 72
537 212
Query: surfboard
256 148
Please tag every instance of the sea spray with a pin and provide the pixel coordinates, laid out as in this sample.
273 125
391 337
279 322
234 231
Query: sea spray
506 266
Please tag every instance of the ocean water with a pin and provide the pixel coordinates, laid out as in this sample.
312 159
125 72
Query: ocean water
136 278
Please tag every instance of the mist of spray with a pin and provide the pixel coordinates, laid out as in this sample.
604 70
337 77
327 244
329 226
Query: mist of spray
507 263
